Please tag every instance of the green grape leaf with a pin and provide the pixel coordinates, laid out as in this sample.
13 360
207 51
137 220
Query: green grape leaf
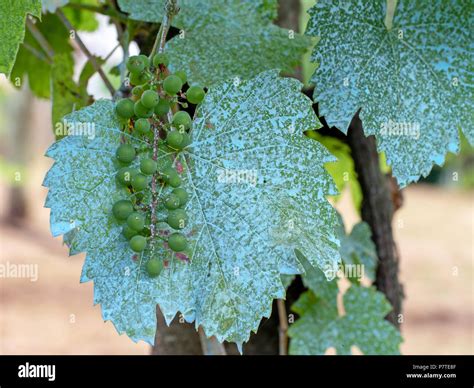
12 28
224 39
413 83
38 71
257 192
67 96
82 20
343 170
321 327
358 249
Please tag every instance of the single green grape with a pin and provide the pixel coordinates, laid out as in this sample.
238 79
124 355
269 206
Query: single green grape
142 126
137 91
154 267
145 59
148 166
141 111
136 221
174 139
160 59
140 79
195 94
186 140
170 176
135 64
177 219
172 84
139 182
175 181
162 107
172 202
138 243
149 99
177 242
122 209
182 195
181 74
124 108
125 153
182 120
125 175
128 232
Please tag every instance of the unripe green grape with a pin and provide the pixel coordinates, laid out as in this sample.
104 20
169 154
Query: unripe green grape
162 107
136 221
182 120
137 91
122 209
186 140
135 64
160 59
139 182
195 94
145 59
174 139
177 219
177 242
148 166
142 126
149 99
138 243
140 79
124 108
128 232
181 74
125 175
174 181
125 153
141 111
171 177
172 202
172 84
154 267
182 195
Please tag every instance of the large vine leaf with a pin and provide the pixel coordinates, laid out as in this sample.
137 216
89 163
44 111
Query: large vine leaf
39 70
413 83
321 327
224 39
13 15
243 231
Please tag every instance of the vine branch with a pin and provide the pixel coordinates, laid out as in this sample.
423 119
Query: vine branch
282 328
86 51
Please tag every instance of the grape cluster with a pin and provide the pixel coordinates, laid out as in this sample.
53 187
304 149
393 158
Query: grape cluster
152 115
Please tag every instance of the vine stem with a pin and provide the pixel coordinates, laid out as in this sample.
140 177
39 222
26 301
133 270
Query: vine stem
391 7
282 328
40 38
86 51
